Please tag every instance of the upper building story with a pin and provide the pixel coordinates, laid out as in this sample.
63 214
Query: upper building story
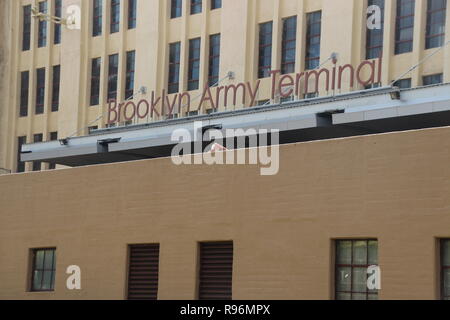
58 81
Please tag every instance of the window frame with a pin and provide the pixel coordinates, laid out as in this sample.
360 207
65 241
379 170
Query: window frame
132 14
56 85
20 165
428 35
213 74
130 74
97 19
398 29
57 30
52 271
114 25
26 32
176 9
352 266
309 60
284 42
174 67
196 6
24 94
42 25
40 85
216 4
113 76
371 50
194 61
263 69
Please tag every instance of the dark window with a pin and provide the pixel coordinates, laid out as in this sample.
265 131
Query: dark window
313 34
24 87
26 37
37 165
353 258
57 39
216 271
53 137
216 4
97 18
194 64
404 28
214 59
44 269
196 6
113 69
40 90
129 84
265 50
143 272
132 14
374 38
174 68
436 15
432 79
95 81
445 269
403 83
115 16
20 165
42 31
55 89
288 45
91 129
175 8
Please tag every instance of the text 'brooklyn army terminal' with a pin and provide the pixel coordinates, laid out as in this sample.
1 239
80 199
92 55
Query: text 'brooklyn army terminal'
224 150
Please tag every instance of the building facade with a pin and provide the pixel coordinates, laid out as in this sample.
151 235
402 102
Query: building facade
58 81
371 206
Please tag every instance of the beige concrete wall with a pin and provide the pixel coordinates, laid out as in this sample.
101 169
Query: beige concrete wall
393 187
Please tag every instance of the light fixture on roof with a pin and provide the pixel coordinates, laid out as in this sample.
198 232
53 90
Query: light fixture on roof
395 94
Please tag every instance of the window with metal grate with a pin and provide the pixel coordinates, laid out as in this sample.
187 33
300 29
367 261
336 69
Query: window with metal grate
216 271
143 272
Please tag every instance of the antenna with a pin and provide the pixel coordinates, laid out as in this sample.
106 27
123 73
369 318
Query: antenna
72 21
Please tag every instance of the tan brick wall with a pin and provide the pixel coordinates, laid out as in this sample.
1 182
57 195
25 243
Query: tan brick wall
393 187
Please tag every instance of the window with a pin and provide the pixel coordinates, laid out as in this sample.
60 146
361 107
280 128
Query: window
143 272
196 6
313 33
403 83
445 269
24 86
214 59
175 8
129 84
26 36
216 271
432 79
174 67
97 18
92 129
194 64
57 37
40 90
404 28
436 15
288 45
95 81
374 38
55 88
115 16
42 31
353 258
265 50
216 4
53 137
20 165
113 69
37 165
44 269
132 13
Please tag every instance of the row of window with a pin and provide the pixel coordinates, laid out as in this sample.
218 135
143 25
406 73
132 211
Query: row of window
352 261
42 25
176 7
404 27
40 91
426 81
37 166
